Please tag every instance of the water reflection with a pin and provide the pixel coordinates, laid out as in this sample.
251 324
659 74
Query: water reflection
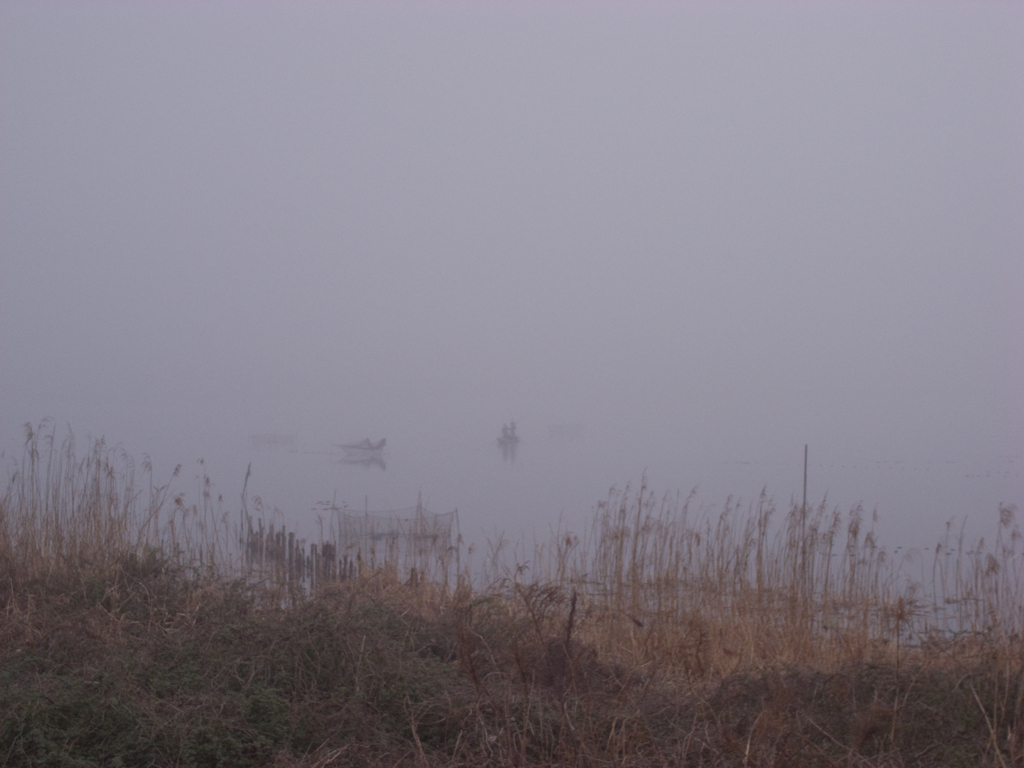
366 462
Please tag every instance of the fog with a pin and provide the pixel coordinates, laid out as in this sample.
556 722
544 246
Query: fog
678 243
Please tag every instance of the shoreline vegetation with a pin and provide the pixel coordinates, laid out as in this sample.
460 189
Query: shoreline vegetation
143 628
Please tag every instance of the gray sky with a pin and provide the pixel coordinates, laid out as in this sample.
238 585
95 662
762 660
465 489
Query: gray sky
700 235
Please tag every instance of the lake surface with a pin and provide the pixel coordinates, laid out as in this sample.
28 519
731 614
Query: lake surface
562 470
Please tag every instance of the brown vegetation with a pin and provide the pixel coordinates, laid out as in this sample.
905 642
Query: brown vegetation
135 632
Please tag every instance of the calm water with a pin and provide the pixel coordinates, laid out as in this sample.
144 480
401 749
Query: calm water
562 470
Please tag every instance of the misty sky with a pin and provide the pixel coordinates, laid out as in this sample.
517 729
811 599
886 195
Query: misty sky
680 240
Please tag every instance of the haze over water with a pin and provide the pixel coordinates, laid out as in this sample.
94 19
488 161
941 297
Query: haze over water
678 243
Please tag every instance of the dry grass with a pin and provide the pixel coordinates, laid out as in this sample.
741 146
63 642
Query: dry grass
133 635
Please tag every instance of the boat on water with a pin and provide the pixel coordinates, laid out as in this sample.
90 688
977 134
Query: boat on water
508 441
365 453
508 435
364 446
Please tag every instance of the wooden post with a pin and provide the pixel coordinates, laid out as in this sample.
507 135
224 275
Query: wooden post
271 553
262 545
804 507
314 569
803 532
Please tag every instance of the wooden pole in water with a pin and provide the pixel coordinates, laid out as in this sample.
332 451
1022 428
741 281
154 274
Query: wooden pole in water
803 529
804 507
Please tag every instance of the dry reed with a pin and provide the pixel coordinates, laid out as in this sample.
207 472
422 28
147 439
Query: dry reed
662 634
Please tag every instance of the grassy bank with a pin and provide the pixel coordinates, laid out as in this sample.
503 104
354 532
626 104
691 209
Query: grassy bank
134 633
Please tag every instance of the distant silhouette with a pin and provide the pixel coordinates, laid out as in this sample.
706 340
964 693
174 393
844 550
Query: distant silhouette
508 441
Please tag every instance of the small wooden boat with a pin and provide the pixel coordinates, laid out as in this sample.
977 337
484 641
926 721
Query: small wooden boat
365 446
